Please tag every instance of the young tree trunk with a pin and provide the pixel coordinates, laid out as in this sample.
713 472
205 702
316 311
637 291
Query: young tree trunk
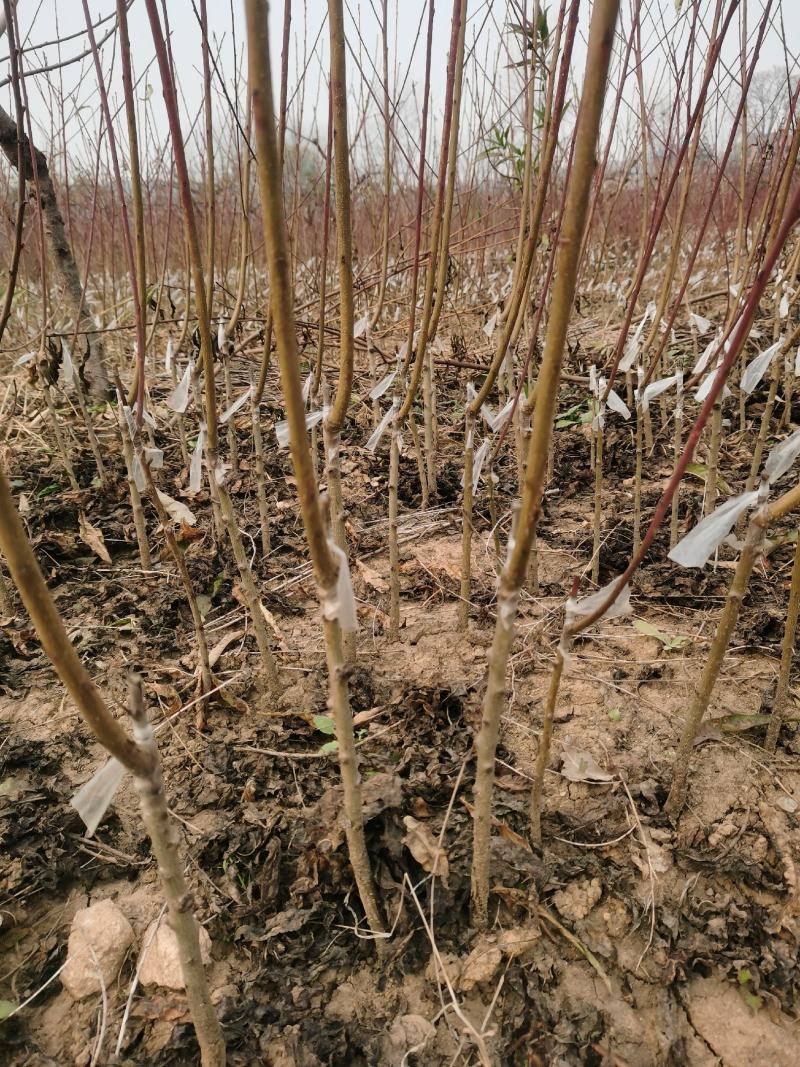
38 180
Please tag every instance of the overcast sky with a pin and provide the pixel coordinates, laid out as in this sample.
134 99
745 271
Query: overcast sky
42 21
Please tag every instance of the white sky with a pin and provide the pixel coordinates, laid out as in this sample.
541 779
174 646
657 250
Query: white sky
43 20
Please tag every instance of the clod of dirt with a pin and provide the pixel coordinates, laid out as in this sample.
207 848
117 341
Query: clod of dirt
737 1034
160 963
99 939
577 900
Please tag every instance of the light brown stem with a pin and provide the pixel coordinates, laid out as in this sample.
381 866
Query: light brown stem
677 445
545 737
598 503
251 596
6 605
233 444
324 563
28 578
261 479
387 170
601 36
730 613
344 230
59 436
787 655
166 849
139 524
637 478
394 550
466 521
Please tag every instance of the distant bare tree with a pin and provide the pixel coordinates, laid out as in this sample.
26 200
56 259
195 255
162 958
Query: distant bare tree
41 190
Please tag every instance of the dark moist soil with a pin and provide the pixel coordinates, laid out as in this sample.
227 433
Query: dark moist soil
627 941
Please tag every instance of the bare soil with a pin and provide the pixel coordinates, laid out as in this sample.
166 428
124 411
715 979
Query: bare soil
627 941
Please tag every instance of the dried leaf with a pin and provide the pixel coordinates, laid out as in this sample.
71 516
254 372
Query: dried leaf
91 536
187 533
372 578
581 766
423 847
177 510
221 645
481 965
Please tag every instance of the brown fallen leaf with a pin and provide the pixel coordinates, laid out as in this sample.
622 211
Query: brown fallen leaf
92 537
580 766
177 510
187 533
501 827
512 783
272 623
424 848
222 644
165 1008
481 965
372 578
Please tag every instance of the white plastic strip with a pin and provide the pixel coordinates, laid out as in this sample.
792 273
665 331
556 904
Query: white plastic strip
632 344
697 547
361 326
307 386
616 403
700 323
221 472
477 463
129 420
178 400
169 357
314 417
236 405
66 374
196 466
138 474
282 427
655 389
92 799
707 386
757 368
383 385
705 357
282 433
342 605
155 458
380 429
488 415
782 457
497 420
586 605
